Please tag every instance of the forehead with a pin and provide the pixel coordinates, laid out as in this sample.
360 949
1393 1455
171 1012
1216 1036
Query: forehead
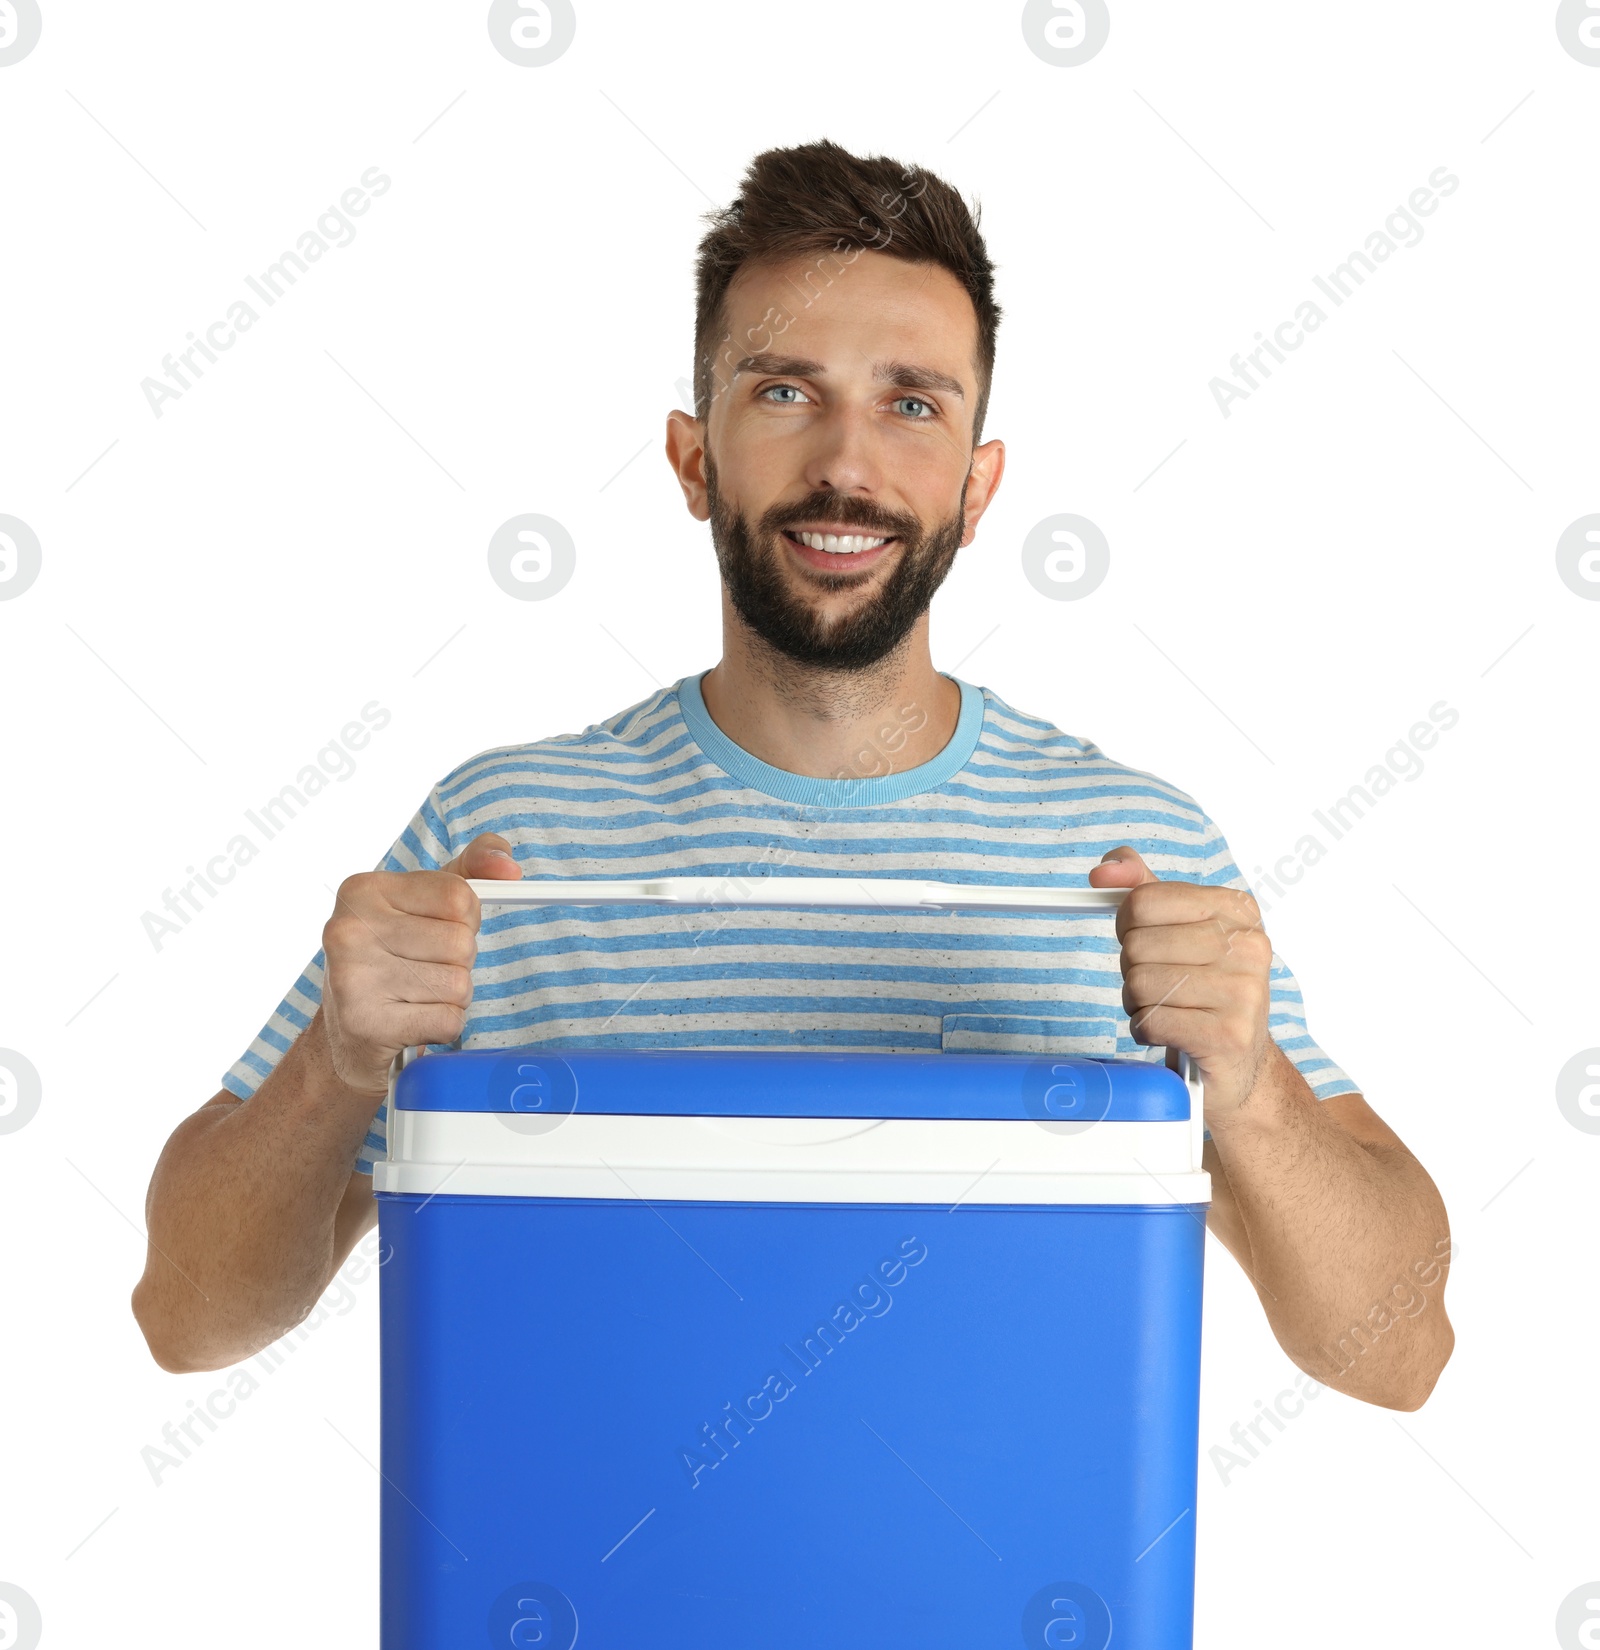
854 309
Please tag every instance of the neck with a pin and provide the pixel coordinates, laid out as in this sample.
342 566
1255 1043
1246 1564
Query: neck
831 724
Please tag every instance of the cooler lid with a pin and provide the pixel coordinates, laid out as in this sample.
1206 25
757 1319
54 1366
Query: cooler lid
792 1083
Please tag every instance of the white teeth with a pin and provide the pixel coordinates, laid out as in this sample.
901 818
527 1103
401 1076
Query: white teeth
839 544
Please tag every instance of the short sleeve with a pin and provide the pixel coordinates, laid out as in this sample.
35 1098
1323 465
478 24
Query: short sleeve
424 845
1207 858
1287 1023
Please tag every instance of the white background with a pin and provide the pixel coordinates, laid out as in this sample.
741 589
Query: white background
304 532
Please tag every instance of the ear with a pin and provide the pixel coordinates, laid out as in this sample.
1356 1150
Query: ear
686 453
988 465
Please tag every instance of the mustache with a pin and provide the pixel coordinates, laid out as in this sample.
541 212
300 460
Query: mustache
846 511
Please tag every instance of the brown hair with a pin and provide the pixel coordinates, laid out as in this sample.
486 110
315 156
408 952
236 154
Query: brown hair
818 197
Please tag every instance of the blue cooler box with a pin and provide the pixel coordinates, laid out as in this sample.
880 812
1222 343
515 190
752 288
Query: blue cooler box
749 1351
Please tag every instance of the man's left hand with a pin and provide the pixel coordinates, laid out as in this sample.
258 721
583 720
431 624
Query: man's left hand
1196 967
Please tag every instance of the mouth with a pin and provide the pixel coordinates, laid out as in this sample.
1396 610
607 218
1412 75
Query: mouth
839 551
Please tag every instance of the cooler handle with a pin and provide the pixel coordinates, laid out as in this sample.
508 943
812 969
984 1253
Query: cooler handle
882 893
886 893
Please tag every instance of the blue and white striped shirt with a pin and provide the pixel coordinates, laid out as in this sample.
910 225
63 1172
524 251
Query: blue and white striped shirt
660 790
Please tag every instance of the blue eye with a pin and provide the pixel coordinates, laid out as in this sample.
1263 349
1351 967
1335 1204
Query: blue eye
916 401
783 389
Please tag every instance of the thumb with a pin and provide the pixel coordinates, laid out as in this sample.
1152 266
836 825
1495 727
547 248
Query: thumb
486 856
1121 868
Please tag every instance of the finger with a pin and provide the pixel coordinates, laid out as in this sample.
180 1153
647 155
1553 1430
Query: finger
1191 1029
374 978
356 933
486 856
1148 986
1187 944
442 895
405 980
425 939
416 1024
1173 904
1121 868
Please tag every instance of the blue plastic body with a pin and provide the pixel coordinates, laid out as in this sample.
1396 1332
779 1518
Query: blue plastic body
751 1426
794 1083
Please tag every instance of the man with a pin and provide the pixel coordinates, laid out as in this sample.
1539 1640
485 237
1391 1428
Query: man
844 347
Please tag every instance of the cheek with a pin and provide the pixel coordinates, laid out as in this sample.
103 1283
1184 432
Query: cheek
928 472
756 466
745 446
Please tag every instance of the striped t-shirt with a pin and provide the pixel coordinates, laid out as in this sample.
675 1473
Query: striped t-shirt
660 790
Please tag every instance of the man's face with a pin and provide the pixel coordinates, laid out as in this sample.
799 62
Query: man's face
836 467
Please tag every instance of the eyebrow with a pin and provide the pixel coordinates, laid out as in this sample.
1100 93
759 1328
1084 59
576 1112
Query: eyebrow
902 374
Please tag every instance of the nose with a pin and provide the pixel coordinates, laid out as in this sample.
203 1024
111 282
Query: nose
843 456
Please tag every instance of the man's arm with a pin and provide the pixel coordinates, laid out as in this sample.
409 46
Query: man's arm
253 1205
251 1210
1343 1234
1337 1225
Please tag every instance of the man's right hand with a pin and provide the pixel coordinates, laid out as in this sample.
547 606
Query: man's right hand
399 950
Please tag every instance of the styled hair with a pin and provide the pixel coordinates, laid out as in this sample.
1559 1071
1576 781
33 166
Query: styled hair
819 198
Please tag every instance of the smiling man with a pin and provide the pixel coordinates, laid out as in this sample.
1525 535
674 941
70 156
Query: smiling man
844 347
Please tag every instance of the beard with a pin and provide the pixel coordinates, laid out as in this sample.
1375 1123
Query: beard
750 561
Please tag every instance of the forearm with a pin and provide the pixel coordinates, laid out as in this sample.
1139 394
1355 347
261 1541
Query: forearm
243 1212
1346 1240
